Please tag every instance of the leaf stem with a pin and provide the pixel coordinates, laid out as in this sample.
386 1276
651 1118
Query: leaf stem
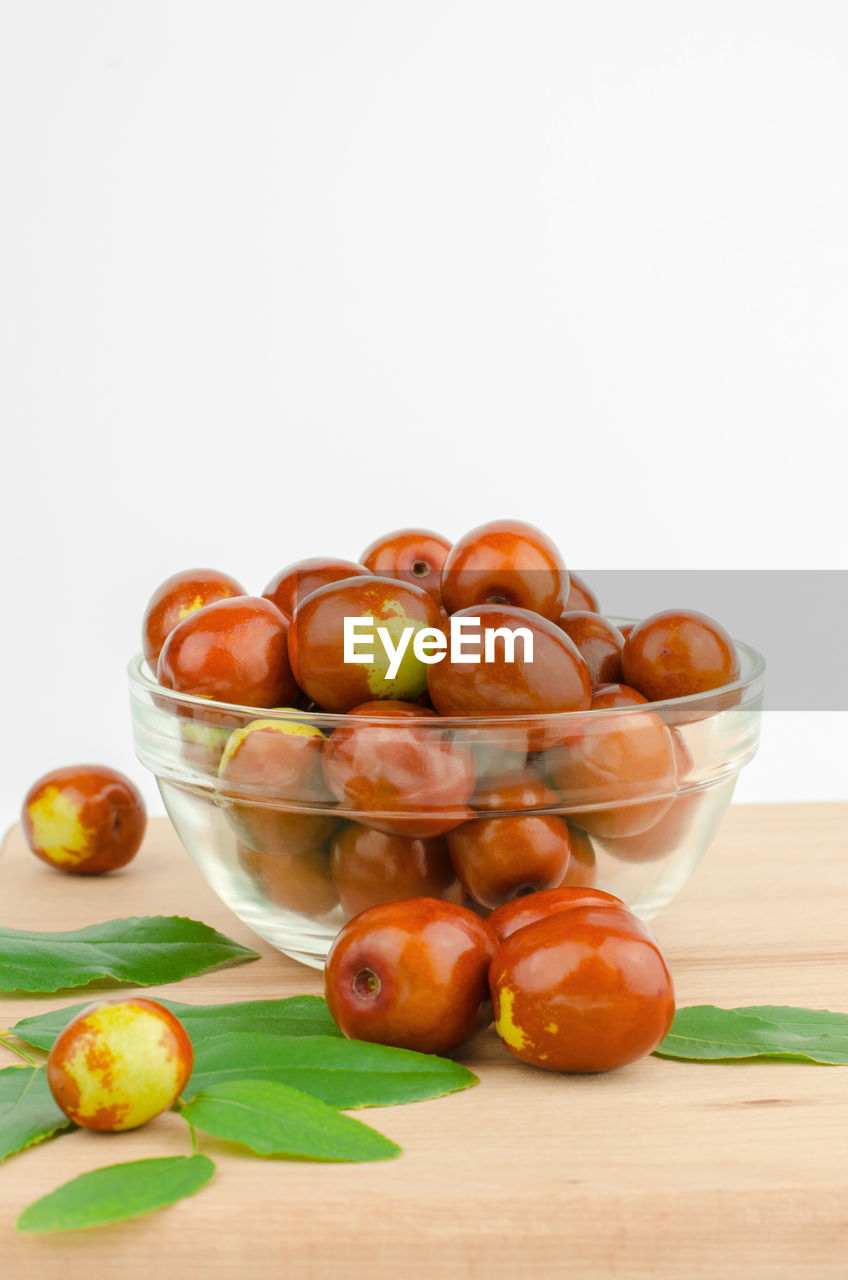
16 1049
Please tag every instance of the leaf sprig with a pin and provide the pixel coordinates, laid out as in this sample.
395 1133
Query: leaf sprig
272 1075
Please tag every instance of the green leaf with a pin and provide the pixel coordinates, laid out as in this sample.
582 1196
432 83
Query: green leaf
704 1033
28 1113
117 1192
140 949
294 1016
273 1119
342 1073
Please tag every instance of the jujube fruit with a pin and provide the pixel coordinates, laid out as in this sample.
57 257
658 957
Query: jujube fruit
119 1063
413 974
369 867
84 818
582 990
231 651
298 580
316 642
412 555
676 653
506 562
178 596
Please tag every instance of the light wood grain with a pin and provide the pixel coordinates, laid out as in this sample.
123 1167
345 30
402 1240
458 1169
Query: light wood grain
662 1169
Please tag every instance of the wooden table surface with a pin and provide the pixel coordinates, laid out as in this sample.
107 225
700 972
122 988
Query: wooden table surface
661 1169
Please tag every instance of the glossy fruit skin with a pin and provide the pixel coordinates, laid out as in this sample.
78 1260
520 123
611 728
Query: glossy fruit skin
119 1063
517 914
84 819
677 653
498 859
401 777
556 680
274 766
177 597
369 867
615 695
298 580
231 651
316 641
599 643
580 595
411 555
664 836
622 759
296 878
582 865
506 562
515 792
413 974
582 990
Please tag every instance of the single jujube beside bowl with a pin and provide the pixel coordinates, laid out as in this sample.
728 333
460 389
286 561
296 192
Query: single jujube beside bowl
308 788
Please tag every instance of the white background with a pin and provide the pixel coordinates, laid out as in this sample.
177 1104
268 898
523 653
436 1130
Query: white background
277 277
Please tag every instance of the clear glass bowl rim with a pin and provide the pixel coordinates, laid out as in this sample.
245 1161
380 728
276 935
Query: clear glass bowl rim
749 682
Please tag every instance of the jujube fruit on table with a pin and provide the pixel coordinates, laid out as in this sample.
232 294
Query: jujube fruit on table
677 653
298 580
585 989
412 555
369 867
84 818
231 651
178 596
515 915
413 974
404 778
119 1063
316 642
505 562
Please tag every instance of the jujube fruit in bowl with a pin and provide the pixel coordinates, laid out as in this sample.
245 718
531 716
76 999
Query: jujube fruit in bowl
412 555
231 651
676 653
298 580
557 678
369 867
316 642
271 766
598 642
402 777
178 596
506 562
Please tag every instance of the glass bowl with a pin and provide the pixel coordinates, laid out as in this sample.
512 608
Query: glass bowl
642 789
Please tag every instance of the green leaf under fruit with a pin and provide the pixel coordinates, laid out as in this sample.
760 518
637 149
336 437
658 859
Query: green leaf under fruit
272 1119
342 1073
703 1033
28 1113
118 1192
293 1016
140 949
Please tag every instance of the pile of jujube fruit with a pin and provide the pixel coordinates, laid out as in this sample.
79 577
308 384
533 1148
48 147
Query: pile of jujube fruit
389 799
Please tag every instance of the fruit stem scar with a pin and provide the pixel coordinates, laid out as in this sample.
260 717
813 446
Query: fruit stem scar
366 984
420 568
16 1049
